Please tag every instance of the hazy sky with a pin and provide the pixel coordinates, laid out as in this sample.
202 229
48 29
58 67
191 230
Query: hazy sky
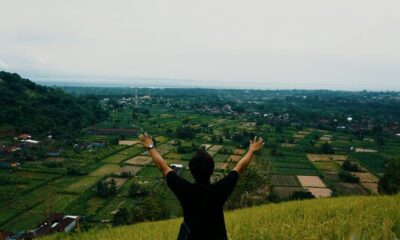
340 44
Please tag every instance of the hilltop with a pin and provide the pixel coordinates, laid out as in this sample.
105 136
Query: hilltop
374 217
29 107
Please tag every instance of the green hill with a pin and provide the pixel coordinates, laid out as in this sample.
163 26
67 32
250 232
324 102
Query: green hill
29 107
375 217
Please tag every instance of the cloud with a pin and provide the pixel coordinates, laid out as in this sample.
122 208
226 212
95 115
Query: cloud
287 43
3 65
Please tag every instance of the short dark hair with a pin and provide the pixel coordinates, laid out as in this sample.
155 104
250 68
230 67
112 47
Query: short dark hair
201 166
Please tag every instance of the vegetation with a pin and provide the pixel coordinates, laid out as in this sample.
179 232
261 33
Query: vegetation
336 218
307 134
390 183
36 109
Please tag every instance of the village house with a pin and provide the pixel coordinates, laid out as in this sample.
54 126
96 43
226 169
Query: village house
55 223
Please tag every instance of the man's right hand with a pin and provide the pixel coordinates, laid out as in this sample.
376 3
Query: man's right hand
256 144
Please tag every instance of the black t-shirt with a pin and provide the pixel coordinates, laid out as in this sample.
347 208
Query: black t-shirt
203 204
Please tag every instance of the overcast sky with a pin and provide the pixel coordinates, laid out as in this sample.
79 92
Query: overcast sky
338 44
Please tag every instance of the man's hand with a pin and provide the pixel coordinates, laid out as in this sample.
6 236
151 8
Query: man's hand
256 144
146 140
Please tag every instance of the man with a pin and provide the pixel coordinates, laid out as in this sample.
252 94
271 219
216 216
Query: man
201 201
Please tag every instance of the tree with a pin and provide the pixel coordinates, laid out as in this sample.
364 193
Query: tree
150 209
326 148
390 183
121 217
347 176
300 195
137 190
352 167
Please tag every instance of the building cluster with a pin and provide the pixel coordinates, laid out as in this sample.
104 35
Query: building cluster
54 224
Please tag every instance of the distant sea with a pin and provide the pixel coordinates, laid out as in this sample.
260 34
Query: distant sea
180 83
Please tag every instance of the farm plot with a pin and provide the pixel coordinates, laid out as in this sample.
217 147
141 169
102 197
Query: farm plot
239 151
150 172
286 192
206 146
116 158
288 145
320 192
299 136
131 151
215 148
372 187
311 181
366 177
139 160
318 157
118 181
331 176
337 157
220 157
222 166
373 161
285 180
212 153
351 188
294 171
326 138
179 156
38 176
82 185
133 170
365 150
105 170
292 165
235 158
368 181
160 151
326 166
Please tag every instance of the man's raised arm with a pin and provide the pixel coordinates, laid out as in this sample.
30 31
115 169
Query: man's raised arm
255 145
147 142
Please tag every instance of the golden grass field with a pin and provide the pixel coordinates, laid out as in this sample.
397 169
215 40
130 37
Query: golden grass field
373 217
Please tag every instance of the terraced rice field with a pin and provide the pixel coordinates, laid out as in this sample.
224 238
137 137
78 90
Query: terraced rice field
140 160
134 170
215 148
285 192
234 158
285 180
311 181
105 170
320 192
351 188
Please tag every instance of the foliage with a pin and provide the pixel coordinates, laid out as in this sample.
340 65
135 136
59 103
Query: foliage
106 189
390 183
326 148
122 217
137 190
36 109
301 195
347 176
349 166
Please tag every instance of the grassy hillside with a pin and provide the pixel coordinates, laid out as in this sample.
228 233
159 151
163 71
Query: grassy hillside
334 218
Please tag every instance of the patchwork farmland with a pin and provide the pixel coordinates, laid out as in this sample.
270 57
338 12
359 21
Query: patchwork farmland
290 168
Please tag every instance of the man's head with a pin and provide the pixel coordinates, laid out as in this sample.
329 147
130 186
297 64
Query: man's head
201 166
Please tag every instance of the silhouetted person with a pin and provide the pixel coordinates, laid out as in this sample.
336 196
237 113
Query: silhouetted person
202 202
